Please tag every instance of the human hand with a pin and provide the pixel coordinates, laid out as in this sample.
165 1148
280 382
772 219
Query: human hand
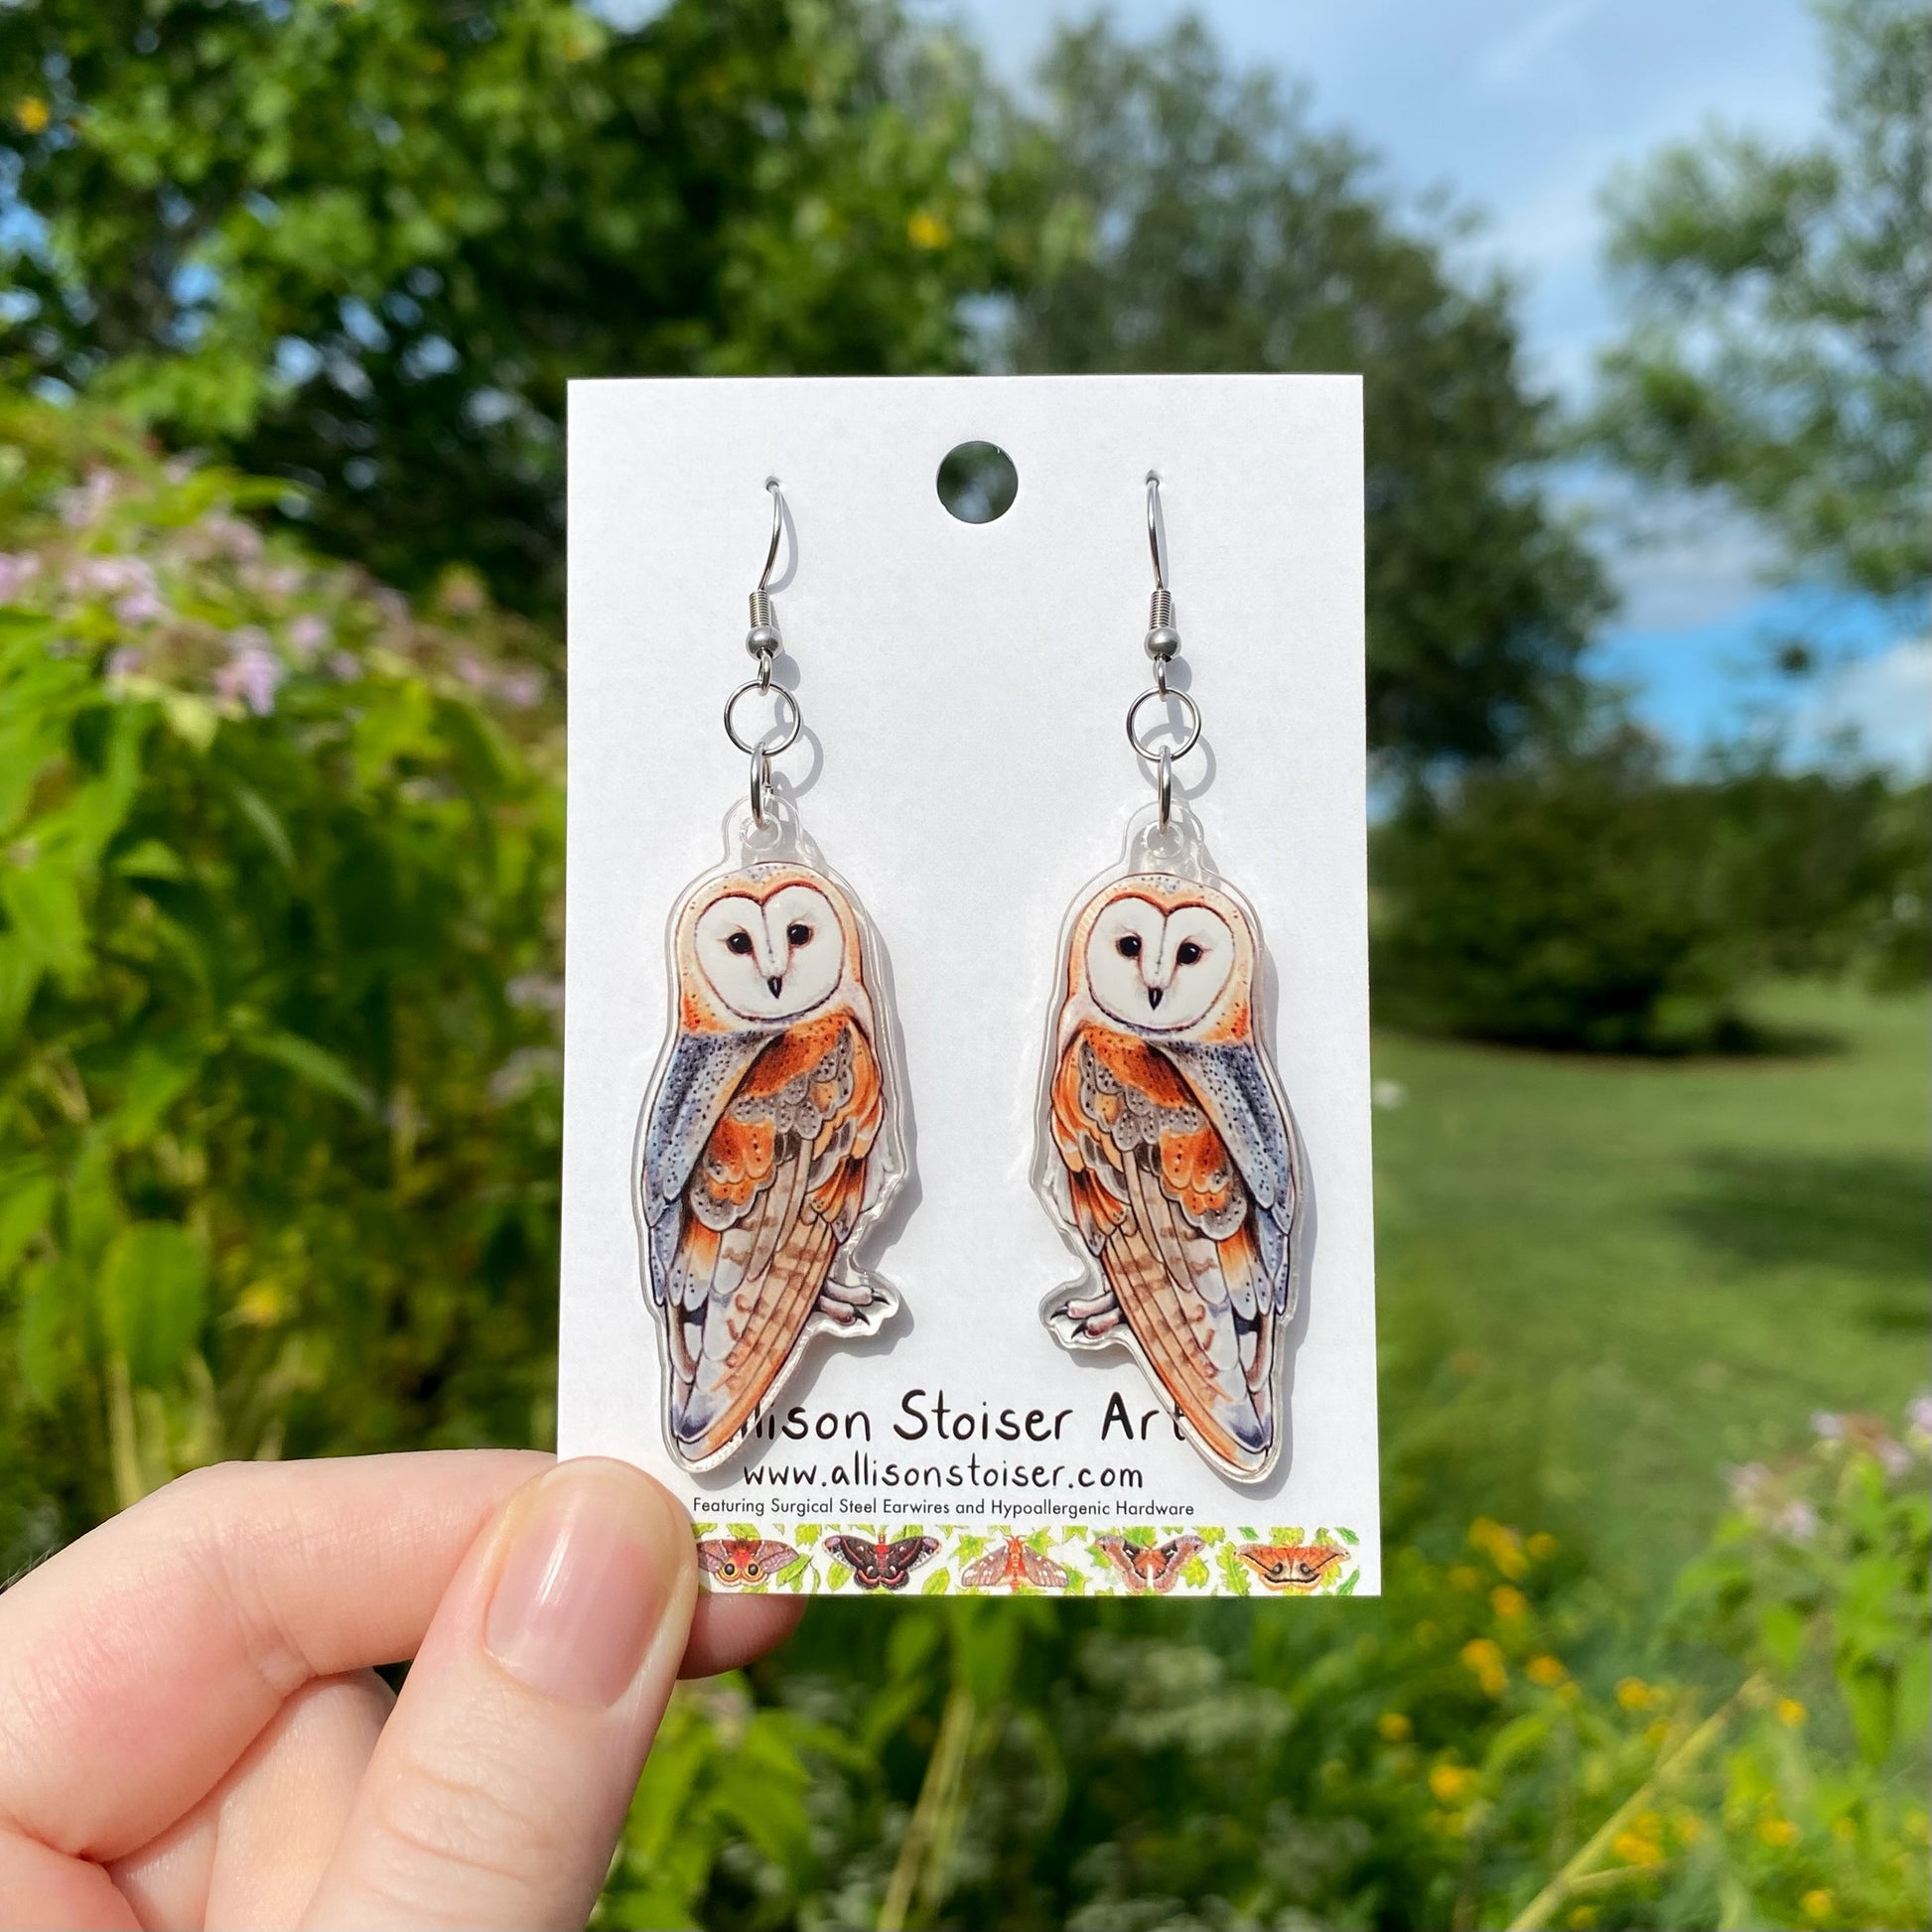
192 1732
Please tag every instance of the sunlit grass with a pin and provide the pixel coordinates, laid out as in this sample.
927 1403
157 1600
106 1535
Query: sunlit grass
1603 1280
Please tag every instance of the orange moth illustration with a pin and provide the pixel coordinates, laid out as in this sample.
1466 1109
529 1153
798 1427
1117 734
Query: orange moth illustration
1296 1567
1147 1565
743 1562
769 1143
1170 1157
1016 1564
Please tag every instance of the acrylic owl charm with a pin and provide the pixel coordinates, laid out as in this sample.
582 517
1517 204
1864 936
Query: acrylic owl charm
769 1140
1168 1152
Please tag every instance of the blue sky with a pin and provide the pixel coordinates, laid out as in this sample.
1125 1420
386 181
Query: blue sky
1525 109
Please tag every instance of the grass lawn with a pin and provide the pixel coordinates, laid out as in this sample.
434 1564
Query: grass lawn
1601 1281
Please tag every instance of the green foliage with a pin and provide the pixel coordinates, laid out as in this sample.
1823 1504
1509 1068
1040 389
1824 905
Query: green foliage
1583 898
277 1075
1456 1754
1200 223
364 246
1779 341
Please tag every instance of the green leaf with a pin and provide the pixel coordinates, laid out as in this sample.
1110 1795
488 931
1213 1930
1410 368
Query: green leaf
1348 1536
1346 1588
26 1201
154 1298
315 1065
261 815
936 1584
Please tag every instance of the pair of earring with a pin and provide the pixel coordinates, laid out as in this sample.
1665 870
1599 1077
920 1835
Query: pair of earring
770 1142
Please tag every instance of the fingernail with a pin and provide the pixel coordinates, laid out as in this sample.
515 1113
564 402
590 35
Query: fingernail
586 1583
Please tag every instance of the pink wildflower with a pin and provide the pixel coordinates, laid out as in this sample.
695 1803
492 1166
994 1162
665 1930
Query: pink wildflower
16 568
252 674
306 634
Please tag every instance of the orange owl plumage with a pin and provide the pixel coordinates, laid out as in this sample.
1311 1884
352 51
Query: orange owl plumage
768 1142
1171 1159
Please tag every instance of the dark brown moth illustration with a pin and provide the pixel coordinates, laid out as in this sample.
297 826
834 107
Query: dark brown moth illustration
738 1562
1298 1565
1150 1566
882 1565
1016 1564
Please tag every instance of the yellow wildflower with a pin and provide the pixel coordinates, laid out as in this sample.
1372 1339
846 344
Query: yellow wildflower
1655 1732
1634 1694
1778 1830
30 111
1582 1918
1394 1727
1816 1903
1545 1670
259 1305
1633 1848
1485 1658
1508 1603
1465 1577
1791 1714
1542 1545
1447 1782
926 230
1500 1544
1688 1827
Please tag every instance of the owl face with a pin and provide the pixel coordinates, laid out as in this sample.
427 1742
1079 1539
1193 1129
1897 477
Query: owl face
770 958
1158 963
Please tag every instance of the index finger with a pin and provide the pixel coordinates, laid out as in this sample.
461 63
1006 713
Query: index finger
138 1664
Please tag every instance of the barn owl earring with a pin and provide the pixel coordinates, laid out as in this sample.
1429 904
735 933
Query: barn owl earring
769 1140
1167 1151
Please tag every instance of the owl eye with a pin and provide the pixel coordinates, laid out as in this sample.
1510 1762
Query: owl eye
1129 947
1186 953
738 942
798 932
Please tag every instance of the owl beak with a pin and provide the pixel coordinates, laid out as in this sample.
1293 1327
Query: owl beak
1154 996
777 983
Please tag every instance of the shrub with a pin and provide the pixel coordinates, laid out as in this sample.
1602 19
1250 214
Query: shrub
1583 898
1463 1753
277 991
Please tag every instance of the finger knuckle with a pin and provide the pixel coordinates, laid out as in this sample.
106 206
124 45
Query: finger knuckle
430 1822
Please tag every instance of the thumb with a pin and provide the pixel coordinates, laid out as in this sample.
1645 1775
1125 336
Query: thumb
500 1781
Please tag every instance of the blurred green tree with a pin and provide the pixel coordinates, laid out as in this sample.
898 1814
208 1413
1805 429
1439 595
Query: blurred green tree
1780 334
1201 224
364 247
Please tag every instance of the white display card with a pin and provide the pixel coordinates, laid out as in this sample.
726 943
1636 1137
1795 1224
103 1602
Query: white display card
963 769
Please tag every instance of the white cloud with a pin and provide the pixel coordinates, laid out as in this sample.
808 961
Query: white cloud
1884 701
1514 57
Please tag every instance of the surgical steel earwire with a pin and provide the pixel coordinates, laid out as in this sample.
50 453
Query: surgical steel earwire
1162 640
764 644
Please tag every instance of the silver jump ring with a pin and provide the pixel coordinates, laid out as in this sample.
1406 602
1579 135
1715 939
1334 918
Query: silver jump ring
760 785
1163 786
787 707
1186 744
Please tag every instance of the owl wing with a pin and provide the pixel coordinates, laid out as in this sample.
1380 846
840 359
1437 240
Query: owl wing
700 1077
775 1192
1235 1090
1197 1263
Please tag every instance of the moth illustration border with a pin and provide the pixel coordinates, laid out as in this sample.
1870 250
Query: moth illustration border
1227 1560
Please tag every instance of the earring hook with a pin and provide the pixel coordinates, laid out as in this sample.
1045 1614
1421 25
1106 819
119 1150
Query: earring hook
778 531
1163 640
763 640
